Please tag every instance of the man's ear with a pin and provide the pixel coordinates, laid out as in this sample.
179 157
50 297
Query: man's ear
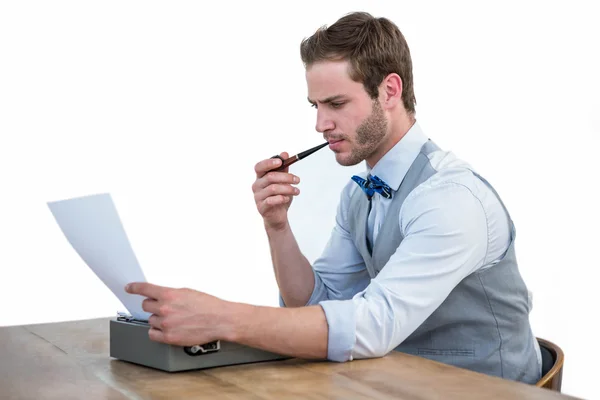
390 91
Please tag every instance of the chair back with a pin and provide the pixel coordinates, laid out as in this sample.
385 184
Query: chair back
553 359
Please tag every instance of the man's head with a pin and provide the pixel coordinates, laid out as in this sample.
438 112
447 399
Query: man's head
359 75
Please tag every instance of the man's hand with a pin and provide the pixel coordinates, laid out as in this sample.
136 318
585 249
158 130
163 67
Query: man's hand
273 192
181 317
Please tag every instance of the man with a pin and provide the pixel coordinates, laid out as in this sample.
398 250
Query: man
421 258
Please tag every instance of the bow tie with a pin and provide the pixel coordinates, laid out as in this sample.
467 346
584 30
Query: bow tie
373 184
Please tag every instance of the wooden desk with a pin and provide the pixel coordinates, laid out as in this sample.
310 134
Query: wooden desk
69 360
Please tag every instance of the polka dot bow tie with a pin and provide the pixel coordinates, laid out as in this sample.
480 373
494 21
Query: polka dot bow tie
373 184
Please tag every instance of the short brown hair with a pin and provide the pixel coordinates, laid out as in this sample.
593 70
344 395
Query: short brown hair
375 48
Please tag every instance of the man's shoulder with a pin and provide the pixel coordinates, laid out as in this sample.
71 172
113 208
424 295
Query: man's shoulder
449 170
454 180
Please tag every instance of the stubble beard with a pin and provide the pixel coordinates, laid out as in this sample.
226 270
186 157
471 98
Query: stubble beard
369 135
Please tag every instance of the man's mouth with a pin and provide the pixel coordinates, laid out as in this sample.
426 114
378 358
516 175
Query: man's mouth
334 144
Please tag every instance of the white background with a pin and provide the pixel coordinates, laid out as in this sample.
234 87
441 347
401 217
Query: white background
168 106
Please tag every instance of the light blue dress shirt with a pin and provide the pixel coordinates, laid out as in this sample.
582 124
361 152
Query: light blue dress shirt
439 249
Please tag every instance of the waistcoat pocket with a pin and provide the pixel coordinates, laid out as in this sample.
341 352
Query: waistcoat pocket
446 352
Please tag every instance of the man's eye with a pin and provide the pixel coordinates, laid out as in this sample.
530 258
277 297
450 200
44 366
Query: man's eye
313 105
336 105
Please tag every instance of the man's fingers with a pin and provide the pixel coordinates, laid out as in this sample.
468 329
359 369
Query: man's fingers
280 177
265 166
274 178
151 306
156 334
269 164
273 201
274 190
146 289
155 322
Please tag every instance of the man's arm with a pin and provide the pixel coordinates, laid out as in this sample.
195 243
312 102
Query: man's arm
273 194
293 272
188 317
445 239
298 332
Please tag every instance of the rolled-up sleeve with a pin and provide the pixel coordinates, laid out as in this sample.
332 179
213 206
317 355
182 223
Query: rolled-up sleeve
341 320
319 292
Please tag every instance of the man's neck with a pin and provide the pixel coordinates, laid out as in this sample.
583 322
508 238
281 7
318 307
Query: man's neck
397 132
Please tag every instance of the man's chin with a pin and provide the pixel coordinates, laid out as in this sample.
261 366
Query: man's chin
347 159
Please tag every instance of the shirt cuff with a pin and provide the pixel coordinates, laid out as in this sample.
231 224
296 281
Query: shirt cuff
319 293
341 319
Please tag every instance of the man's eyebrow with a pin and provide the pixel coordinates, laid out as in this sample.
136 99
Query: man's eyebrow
329 99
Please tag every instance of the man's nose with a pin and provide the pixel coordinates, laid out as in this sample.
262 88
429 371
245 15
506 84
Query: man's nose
324 122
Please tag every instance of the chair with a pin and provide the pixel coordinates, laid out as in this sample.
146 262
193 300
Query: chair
553 359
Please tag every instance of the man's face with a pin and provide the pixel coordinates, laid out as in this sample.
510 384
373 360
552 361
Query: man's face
352 122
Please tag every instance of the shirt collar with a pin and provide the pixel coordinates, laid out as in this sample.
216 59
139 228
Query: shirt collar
394 164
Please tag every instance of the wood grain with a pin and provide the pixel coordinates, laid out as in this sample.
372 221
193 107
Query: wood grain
69 360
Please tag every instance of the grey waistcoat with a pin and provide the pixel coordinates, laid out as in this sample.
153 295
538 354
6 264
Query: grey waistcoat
483 325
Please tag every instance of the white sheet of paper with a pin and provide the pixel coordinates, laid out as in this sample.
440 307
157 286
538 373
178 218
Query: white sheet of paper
93 227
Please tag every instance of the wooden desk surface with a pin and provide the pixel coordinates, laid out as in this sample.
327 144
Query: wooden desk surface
69 360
